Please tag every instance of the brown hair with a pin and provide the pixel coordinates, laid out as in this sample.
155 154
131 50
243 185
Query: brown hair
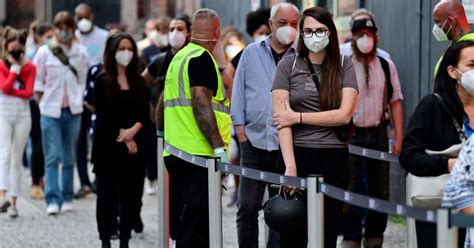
63 17
10 35
163 24
330 89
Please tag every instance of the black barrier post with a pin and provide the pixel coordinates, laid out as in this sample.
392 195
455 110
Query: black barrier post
162 198
447 236
215 204
315 212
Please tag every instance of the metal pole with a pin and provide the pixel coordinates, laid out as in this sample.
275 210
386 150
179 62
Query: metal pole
315 213
446 236
162 199
215 204
411 235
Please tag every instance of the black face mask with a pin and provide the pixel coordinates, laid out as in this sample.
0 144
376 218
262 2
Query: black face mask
16 54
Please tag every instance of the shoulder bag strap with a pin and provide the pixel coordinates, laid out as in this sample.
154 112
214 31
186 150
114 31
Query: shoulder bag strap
462 135
313 73
59 53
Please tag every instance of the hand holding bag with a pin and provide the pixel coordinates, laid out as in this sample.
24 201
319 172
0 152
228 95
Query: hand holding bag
427 192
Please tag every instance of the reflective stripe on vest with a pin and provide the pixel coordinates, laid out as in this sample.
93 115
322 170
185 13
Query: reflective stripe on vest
182 101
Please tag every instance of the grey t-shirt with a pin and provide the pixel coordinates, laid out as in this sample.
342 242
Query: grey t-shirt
304 97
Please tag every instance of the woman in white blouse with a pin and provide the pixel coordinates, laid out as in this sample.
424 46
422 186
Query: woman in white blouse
59 87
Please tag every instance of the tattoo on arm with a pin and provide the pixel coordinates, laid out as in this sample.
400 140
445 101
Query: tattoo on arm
202 109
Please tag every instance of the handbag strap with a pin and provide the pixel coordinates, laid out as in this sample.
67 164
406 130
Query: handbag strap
462 135
313 73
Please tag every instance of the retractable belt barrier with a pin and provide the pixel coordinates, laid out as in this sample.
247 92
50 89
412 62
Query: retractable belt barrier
369 153
329 190
461 220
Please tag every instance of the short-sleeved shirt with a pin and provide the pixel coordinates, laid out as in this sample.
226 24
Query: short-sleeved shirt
202 72
304 97
370 107
459 191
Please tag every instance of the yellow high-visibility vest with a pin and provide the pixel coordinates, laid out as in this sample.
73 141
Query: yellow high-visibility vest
181 128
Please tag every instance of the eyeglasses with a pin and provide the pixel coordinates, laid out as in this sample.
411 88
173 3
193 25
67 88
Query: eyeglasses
319 32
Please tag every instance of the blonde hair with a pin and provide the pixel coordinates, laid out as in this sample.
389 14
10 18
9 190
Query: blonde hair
10 35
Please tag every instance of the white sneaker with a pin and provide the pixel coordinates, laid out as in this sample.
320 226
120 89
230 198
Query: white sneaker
12 212
66 207
150 188
52 209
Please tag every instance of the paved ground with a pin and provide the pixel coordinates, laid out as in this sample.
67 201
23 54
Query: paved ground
78 228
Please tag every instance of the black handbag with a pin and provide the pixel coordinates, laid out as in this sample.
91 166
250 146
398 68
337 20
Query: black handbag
344 132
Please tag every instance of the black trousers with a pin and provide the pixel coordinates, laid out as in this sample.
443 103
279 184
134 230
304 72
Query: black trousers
37 158
82 151
332 164
121 187
175 201
376 173
193 226
151 161
426 235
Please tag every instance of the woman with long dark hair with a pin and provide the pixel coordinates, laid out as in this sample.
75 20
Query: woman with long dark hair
431 126
121 104
308 141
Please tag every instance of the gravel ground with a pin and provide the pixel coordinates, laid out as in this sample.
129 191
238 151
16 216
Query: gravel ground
33 228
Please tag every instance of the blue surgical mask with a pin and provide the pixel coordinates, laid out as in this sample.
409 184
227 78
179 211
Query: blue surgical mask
48 42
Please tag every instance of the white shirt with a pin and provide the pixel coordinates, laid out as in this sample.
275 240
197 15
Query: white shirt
346 49
94 43
53 79
369 108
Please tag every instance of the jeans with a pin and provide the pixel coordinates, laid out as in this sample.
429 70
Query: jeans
377 177
251 196
82 150
59 144
14 131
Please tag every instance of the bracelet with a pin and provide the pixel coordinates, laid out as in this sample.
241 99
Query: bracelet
301 118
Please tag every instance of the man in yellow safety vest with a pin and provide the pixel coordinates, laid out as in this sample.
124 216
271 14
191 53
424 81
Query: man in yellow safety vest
197 121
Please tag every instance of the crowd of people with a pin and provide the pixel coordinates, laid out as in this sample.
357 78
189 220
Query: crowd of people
289 102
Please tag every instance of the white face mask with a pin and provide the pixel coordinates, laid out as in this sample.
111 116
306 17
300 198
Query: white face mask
123 57
438 32
316 44
158 38
177 39
232 50
259 38
84 25
467 81
286 35
365 44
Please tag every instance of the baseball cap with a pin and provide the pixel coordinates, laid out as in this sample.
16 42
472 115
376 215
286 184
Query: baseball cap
363 23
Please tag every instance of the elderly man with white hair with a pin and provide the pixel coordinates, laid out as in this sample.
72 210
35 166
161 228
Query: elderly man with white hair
251 112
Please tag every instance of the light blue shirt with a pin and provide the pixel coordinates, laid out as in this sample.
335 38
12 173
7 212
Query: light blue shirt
251 94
